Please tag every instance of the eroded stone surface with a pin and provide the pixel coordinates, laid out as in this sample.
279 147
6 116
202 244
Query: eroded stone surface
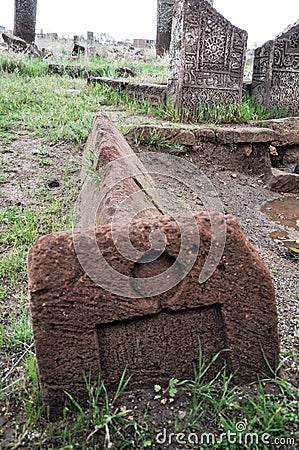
275 82
250 135
154 133
281 181
287 130
75 320
164 25
207 57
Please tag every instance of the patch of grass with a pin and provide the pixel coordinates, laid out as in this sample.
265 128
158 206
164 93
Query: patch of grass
20 229
156 139
19 333
37 105
216 414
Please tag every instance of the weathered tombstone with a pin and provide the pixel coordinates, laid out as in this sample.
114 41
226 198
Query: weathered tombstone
90 37
14 42
275 81
207 57
25 19
97 316
164 24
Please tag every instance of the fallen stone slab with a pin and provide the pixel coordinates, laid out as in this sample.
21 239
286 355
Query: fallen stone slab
287 130
154 93
157 133
241 135
80 327
281 181
235 135
125 182
14 42
245 149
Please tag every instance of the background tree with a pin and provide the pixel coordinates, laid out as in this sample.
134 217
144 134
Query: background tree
25 19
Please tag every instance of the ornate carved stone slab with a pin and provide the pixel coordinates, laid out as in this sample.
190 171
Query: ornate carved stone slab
164 24
207 57
275 82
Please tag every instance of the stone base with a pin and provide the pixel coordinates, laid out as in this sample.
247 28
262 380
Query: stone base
154 93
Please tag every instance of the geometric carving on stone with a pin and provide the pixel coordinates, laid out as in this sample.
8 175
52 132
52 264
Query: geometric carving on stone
207 57
164 24
275 82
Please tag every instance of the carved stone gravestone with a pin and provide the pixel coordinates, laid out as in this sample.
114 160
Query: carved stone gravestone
275 81
25 20
90 37
207 56
164 24
98 308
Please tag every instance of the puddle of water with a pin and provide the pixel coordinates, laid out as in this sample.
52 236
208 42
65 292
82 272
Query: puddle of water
285 212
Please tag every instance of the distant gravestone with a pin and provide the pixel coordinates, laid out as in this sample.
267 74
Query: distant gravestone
164 24
275 81
25 20
90 37
207 57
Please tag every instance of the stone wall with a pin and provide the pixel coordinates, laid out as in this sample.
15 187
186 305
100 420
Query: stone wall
207 58
275 82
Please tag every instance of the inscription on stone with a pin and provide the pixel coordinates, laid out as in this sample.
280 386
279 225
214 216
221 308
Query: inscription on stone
207 57
153 347
275 82
164 24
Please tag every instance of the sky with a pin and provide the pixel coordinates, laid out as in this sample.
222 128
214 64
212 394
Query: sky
128 19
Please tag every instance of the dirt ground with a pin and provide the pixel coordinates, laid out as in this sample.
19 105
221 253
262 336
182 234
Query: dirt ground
32 164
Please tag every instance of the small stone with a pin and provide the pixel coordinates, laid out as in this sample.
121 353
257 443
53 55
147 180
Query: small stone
273 150
3 421
234 175
53 183
281 181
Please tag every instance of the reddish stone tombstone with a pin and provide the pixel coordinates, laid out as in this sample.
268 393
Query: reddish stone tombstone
96 309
